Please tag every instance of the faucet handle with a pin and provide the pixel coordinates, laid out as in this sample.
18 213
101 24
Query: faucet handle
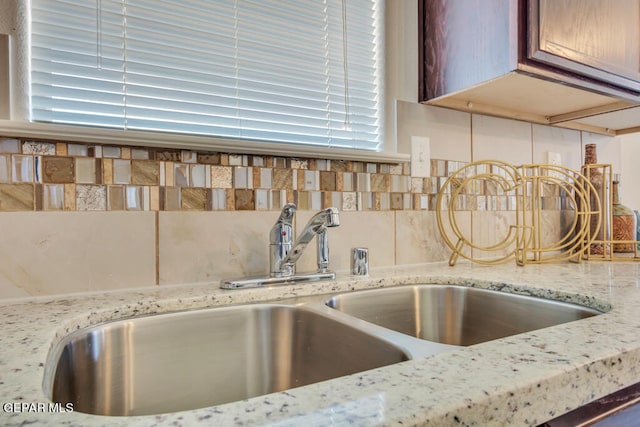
282 231
287 213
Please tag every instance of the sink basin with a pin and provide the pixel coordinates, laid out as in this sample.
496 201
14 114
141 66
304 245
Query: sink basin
456 315
188 360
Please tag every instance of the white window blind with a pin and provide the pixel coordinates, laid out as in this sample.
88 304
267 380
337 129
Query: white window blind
290 71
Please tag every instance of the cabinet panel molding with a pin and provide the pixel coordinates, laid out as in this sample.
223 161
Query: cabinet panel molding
560 62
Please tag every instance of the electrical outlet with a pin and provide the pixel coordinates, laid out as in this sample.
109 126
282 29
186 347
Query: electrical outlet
420 157
554 159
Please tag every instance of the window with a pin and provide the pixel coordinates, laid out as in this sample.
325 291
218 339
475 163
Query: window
293 71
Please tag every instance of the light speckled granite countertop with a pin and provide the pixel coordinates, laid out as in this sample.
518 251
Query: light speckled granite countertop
521 380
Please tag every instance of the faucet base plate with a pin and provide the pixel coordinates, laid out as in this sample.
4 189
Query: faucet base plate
261 281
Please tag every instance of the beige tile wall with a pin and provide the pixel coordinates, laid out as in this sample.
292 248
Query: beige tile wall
558 140
373 230
70 251
54 253
202 246
501 139
4 77
630 153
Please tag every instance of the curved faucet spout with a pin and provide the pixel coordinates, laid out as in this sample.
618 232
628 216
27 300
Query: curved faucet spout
317 225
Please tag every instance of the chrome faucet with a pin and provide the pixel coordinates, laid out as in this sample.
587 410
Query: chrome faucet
284 252
285 255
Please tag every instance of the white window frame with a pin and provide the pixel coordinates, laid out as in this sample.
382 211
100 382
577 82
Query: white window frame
19 125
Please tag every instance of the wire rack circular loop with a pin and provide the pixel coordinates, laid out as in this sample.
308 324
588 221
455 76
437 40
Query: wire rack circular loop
521 191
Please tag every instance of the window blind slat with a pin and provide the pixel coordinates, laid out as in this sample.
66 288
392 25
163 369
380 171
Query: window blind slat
267 70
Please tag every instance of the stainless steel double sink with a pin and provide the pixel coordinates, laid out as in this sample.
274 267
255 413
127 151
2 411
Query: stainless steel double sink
186 360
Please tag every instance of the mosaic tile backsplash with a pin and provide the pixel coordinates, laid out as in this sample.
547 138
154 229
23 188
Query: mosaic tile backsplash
60 176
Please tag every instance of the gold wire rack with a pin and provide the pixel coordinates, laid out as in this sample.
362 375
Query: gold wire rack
586 213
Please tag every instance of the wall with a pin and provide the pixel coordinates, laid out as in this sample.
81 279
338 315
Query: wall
630 156
85 218
100 218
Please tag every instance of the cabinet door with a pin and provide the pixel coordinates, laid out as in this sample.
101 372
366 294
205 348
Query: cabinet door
598 39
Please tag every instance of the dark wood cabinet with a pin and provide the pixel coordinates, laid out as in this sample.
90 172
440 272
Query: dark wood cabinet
621 408
599 39
545 61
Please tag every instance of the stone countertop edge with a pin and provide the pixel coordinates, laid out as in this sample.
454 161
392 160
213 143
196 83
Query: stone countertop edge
525 379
